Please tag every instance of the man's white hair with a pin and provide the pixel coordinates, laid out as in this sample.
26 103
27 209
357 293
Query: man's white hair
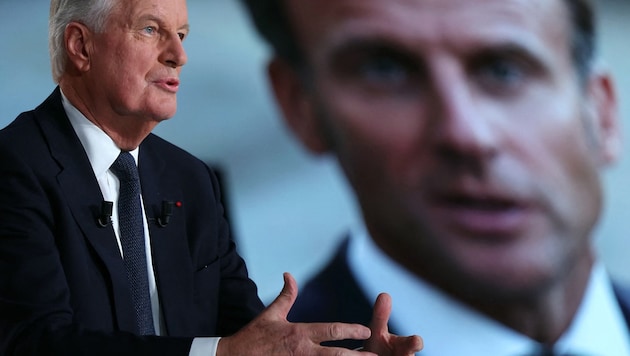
91 13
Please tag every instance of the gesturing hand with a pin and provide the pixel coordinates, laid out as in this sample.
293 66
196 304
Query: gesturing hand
381 341
271 334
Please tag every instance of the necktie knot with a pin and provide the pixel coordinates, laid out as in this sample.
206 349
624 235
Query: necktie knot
547 350
124 167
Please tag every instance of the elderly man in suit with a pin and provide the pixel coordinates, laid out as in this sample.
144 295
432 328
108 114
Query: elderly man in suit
112 240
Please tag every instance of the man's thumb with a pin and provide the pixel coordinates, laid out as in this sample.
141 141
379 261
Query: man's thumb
284 301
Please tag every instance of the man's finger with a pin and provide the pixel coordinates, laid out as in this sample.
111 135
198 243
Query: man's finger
335 351
283 303
380 317
320 332
412 344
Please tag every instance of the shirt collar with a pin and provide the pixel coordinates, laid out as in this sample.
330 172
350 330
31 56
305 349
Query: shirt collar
450 328
99 147
599 323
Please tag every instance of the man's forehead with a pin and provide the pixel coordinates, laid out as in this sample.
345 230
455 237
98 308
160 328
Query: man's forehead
426 20
327 11
131 11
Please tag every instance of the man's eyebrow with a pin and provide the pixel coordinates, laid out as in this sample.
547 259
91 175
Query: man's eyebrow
372 45
150 17
505 47
513 50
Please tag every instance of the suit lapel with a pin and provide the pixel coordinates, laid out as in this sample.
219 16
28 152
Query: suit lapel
77 181
169 246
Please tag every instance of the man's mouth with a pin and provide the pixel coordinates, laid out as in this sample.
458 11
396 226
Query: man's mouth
482 215
168 84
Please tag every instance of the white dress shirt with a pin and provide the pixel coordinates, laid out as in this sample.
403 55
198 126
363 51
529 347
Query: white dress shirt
102 152
450 328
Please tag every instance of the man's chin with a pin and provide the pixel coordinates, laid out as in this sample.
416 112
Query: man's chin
163 114
506 281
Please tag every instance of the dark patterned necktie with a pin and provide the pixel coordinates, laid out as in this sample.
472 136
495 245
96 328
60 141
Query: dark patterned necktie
132 239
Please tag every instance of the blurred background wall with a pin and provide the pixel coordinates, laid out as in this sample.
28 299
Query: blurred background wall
288 209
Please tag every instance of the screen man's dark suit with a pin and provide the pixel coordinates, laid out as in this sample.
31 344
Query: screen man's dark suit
334 294
63 288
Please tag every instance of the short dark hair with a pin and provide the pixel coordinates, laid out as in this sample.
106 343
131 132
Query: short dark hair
584 36
272 23
270 19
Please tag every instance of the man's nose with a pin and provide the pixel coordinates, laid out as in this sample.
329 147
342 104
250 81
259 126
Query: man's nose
460 124
174 54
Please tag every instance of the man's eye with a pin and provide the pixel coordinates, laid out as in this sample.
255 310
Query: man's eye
502 72
149 30
181 36
383 71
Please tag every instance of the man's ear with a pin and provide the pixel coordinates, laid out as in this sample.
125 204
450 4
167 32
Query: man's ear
603 102
78 41
297 105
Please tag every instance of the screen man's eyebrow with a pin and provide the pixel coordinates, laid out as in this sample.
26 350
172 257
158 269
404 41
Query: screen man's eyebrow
367 44
509 48
372 45
512 50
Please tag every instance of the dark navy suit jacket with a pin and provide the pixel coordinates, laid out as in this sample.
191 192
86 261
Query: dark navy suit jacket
334 295
63 288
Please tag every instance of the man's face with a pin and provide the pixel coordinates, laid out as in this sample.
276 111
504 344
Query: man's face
136 62
463 129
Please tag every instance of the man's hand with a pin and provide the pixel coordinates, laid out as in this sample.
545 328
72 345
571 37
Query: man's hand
382 342
272 334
